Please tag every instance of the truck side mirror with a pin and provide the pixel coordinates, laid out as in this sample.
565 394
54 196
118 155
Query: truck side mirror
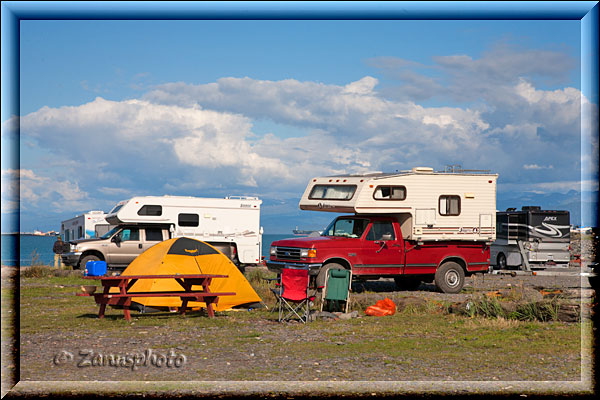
116 239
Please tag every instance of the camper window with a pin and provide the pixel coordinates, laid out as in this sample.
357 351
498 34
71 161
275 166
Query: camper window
80 232
390 193
188 220
332 192
449 205
152 210
117 208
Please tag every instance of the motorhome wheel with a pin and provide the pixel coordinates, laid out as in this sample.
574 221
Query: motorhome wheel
501 262
450 277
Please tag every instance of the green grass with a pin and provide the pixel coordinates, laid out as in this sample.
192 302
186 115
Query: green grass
422 338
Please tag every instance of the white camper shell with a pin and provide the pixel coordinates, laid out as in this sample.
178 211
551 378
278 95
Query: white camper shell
233 220
431 206
89 225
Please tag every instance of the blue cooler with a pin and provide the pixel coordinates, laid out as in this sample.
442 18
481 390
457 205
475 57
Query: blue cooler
95 268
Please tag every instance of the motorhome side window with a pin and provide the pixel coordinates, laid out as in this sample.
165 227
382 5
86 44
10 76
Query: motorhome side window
152 210
188 220
80 231
390 193
101 229
332 192
449 205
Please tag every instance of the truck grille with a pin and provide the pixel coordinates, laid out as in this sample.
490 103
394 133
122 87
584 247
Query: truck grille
288 253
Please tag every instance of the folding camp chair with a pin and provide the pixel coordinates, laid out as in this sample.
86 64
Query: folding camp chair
294 295
337 290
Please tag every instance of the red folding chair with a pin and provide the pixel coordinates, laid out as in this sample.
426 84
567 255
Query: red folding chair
293 294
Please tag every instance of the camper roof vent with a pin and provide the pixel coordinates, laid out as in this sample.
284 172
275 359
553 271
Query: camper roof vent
422 170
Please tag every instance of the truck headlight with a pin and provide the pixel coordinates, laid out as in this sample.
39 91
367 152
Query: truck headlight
308 253
273 251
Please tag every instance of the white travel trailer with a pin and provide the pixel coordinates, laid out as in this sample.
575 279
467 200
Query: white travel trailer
89 225
430 206
231 224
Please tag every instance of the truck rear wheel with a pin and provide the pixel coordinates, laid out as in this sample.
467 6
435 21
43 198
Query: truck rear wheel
85 259
407 283
450 277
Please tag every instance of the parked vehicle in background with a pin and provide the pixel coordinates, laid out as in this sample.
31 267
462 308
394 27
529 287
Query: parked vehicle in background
413 226
531 238
91 224
231 224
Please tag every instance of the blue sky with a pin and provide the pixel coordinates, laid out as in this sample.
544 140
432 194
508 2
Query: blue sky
113 109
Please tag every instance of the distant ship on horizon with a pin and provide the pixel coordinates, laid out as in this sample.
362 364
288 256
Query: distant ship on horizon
304 232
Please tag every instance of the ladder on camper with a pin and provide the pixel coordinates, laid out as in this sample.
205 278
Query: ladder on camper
524 256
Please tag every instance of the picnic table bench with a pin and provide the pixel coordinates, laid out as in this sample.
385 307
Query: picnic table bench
125 282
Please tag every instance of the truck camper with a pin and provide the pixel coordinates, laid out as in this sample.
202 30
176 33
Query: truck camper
413 226
89 225
230 224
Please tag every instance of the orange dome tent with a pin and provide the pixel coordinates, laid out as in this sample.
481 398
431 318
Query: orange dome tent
188 256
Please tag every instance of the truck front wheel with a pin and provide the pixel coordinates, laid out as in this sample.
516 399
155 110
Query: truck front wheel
450 277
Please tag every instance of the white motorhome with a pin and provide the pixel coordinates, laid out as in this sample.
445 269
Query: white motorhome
429 205
531 238
230 224
89 225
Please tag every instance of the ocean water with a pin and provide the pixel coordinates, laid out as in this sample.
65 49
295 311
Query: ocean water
38 249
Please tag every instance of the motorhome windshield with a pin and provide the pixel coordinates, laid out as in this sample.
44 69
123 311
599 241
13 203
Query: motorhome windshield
110 233
346 227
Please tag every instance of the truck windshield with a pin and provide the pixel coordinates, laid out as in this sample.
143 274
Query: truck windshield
110 233
346 227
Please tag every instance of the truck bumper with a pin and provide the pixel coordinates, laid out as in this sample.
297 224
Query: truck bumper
277 266
70 258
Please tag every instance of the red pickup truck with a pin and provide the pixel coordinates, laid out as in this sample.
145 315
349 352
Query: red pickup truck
373 246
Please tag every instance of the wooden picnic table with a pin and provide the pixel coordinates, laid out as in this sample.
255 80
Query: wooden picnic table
125 282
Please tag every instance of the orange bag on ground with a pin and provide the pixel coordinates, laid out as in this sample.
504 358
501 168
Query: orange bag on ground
381 308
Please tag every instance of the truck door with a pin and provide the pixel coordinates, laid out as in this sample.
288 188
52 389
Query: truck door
125 246
381 251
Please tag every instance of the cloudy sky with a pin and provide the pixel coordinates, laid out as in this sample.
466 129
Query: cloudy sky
115 109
